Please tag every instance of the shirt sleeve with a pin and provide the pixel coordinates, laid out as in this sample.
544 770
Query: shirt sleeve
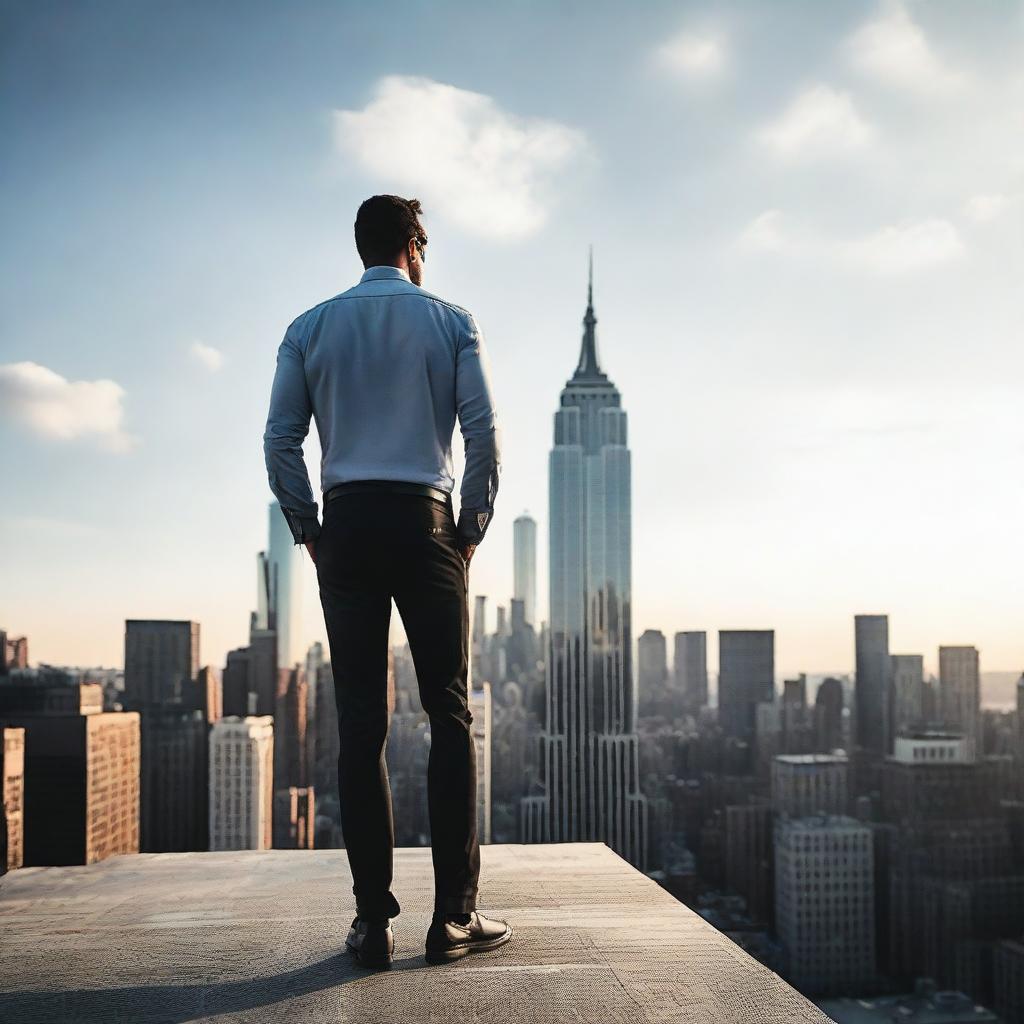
478 423
287 427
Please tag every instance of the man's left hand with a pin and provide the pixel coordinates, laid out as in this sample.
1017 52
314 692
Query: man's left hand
311 548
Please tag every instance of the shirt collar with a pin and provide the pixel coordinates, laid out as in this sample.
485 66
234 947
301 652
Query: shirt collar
383 273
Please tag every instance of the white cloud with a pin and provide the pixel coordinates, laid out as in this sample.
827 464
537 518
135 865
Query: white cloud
207 356
766 233
892 250
899 248
819 122
692 55
62 409
488 171
893 49
987 207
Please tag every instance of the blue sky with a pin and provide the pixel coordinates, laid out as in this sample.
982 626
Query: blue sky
807 225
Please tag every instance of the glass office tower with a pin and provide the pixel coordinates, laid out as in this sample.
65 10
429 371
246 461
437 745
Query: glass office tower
280 590
589 751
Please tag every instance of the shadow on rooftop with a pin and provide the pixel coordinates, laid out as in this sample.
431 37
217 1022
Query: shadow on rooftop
176 1004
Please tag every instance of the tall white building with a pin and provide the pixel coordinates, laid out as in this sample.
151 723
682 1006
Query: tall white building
590 769
279 584
825 903
524 565
480 707
960 692
241 783
479 663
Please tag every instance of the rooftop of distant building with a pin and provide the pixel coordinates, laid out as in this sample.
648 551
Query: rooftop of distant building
259 936
930 1008
839 758
814 822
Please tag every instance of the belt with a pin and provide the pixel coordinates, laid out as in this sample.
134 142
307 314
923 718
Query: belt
393 486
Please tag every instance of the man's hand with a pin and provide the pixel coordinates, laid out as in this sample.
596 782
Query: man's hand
311 548
466 550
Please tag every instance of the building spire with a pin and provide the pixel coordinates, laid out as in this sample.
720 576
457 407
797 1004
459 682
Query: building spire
588 367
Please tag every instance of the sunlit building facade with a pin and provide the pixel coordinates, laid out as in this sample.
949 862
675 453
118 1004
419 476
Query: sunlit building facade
241 783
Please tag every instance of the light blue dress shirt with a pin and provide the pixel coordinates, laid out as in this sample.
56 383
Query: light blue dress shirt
385 369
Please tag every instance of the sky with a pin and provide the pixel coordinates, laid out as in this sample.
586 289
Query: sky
808 232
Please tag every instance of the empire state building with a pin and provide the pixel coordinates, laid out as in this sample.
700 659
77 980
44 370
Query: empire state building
589 758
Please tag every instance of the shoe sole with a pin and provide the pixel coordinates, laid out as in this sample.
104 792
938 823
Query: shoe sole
444 956
367 961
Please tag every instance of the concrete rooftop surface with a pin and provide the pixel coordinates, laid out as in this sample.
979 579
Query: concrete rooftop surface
259 936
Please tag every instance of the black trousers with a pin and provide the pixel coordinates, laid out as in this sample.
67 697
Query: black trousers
375 546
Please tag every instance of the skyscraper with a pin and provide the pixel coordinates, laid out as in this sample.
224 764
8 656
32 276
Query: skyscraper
251 676
280 590
81 772
907 693
162 681
479 663
241 783
828 716
748 855
827 928
746 678
12 798
873 682
524 567
295 818
480 706
211 693
13 652
589 749
804 785
960 693
954 868
161 664
690 669
652 668
175 783
291 707
1020 718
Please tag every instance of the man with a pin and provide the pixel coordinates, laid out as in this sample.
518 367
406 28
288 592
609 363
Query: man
386 368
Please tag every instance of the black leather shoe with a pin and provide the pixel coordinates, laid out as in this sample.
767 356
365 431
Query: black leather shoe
449 940
372 942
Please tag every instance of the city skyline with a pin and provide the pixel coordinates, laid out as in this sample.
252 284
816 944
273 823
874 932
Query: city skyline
737 703
817 330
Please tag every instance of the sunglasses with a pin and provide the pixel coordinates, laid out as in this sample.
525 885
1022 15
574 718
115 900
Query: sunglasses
421 246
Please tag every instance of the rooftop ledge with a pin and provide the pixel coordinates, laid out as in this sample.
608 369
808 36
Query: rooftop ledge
259 936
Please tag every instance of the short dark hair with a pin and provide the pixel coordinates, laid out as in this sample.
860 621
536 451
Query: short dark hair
384 225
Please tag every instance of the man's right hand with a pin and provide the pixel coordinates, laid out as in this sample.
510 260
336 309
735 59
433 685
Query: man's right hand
466 550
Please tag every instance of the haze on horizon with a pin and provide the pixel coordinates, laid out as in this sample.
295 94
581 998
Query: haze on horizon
807 228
